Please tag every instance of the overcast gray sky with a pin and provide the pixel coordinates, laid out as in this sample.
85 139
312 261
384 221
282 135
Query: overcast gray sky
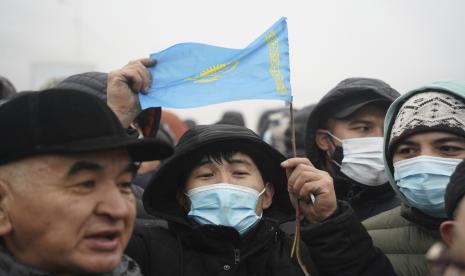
406 43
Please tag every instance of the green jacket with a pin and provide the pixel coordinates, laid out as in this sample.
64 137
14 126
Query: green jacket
404 242
404 234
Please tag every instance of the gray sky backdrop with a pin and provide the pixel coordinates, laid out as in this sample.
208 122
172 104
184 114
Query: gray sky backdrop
406 43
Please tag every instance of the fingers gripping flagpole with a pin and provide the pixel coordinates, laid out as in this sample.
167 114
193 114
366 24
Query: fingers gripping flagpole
295 251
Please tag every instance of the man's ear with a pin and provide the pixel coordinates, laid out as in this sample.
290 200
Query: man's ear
5 201
322 140
267 197
446 229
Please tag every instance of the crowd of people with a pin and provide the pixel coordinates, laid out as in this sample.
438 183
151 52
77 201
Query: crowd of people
90 184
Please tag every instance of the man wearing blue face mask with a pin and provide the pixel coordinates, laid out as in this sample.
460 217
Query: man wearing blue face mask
224 194
424 142
344 137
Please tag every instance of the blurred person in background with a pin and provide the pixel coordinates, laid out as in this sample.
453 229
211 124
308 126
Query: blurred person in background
232 118
272 126
300 117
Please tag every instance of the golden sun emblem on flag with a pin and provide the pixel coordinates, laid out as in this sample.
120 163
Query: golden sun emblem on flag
214 73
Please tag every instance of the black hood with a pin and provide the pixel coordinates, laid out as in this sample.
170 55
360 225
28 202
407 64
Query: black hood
352 91
160 197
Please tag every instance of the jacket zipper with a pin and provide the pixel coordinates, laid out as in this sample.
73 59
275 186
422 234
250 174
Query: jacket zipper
237 255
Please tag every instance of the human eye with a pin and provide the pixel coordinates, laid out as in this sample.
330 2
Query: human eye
84 186
405 151
125 186
240 172
204 174
451 149
361 128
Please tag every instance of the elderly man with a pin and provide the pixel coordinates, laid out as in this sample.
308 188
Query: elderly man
66 166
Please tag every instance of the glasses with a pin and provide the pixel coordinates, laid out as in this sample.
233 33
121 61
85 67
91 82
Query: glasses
442 263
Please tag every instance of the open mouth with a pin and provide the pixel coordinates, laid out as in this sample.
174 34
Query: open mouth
104 240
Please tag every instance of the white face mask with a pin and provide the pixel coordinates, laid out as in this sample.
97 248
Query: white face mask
363 160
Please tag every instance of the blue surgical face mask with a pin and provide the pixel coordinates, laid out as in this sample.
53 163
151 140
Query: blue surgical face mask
423 180
225 204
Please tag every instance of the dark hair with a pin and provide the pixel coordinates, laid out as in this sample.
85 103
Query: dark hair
224 152
217 154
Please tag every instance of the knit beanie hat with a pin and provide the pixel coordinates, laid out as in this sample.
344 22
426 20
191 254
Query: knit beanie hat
428 111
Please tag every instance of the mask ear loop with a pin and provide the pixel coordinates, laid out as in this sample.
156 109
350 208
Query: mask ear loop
259 195
327 153
263 191
332 135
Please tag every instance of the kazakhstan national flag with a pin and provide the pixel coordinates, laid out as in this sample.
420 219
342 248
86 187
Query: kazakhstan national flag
193 74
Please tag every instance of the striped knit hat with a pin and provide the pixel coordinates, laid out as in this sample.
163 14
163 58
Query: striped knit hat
429 111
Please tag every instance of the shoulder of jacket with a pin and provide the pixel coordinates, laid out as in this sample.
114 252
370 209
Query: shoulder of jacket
393 234
386 220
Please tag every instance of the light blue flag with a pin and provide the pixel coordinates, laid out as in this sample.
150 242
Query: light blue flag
193 74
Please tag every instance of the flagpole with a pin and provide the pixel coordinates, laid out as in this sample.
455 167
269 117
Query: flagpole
295 251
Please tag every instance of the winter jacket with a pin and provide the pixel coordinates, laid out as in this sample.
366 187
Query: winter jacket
9 266
366 201
337 246
404 242
405 234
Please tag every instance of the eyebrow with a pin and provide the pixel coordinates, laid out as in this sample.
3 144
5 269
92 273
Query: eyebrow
360 122
407 143
449 139
84 166
240 161
436 142
232 161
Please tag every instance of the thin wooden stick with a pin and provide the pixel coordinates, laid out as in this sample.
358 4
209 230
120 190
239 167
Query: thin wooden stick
295 251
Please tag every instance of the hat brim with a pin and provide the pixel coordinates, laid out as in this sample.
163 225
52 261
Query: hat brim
345 112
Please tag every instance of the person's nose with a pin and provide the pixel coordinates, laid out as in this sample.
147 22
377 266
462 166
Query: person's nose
224 177
115 204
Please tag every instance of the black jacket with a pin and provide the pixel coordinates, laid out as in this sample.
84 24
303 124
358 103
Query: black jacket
366 201
337 246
